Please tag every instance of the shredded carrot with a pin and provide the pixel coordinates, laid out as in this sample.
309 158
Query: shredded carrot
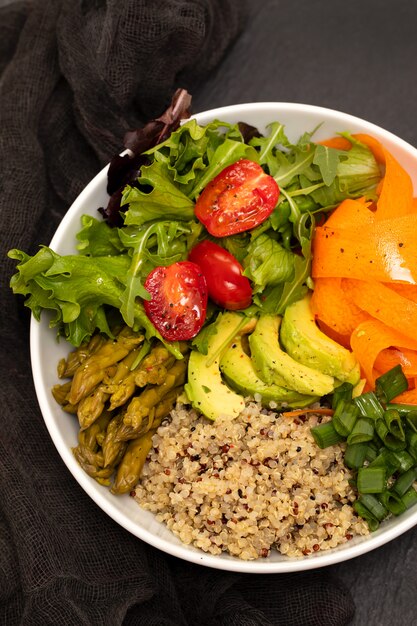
384 305
351 213
340 143
374 145
390 357
407 397
383 251
330 306
365 273
370 338
298 412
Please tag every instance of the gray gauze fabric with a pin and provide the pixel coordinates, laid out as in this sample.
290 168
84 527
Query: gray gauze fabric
75 76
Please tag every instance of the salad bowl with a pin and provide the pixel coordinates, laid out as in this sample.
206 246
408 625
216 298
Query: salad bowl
46 352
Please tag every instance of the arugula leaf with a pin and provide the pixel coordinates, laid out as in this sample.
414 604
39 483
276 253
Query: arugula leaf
328 159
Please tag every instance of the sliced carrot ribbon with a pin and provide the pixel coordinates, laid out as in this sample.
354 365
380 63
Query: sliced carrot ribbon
370 338
365 273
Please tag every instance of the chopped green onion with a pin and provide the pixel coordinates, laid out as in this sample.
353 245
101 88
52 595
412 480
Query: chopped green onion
342 393
409 498
373 505
344 417
411 437
392 502
369 405
403 409
371 452
389 440
390 384
393 421
371 479
403 458
411 420
355 455
362 431
384 459
404 482
371 520
325 435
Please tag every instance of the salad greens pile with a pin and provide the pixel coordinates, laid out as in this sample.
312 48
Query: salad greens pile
88 291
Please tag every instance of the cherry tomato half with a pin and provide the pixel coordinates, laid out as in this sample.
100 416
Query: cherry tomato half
226 285
178 303
241 197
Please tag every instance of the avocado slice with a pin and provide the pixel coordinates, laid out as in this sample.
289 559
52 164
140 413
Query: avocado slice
205 389
239 371
306 343
274 366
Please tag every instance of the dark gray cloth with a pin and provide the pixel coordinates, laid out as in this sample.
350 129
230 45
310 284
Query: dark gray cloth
75 76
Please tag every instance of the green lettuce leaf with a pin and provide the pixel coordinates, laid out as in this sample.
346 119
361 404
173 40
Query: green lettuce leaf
267 263
165 201
77 290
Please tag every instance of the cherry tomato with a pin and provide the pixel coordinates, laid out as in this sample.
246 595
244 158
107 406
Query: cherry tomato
238 199
178 303
226 285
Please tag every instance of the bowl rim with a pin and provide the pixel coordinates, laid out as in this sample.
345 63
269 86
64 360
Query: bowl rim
188 553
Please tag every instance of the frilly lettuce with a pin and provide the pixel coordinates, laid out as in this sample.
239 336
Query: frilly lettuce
158 226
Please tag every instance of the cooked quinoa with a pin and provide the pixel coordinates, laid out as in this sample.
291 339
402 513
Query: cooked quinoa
249 485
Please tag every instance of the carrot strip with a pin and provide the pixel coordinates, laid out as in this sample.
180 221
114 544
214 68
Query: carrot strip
390 357
385 305
331 306
407 397
340 143
384 251
396 197
370 338
351 214
373 144
322 411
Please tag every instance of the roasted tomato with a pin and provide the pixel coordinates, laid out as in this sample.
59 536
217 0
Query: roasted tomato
178 303
226 284
238 199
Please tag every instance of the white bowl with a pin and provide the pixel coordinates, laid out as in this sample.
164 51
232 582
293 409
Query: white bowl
46 352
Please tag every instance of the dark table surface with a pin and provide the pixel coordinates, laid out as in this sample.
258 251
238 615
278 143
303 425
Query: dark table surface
359 57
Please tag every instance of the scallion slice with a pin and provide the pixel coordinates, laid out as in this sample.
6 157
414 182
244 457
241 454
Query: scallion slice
325 435
392 502
371 479
411 420
371 520
355 455
404 482
389 440
403 458
373 505
362 431
389 385
394 424
384 459
403 409
369 405
344 417
411 438
343 392
409 498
